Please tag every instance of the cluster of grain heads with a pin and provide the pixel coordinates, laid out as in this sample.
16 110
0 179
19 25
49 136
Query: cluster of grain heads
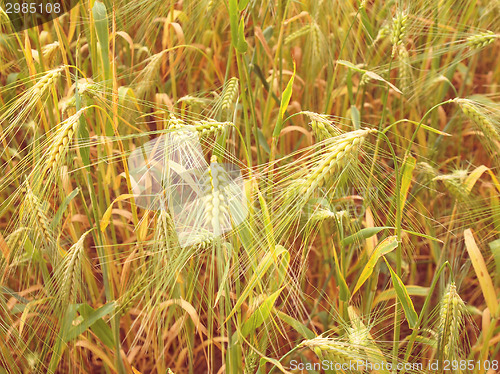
451 322
304 30
338 152
62 139
482 39
322 214
68 274
17 113
478 115
201 239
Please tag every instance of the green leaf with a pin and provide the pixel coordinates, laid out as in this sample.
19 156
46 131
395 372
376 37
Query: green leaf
243 4
404 298
88 321
495 250
101 27
363 234
297 326
99 327
385 246
285 100
242 45
344 293
260 315
233 21
391 293
264 265
63 207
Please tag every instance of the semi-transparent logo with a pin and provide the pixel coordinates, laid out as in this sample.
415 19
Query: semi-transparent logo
204 199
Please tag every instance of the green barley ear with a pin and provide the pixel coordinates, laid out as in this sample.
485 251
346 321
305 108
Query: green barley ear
205 128
228 97
451 323
68 274
404 68
34 215
333 349
478 115
322 126
455 182
215 199
63 137
148 76
383 32
341 150
165 234
398 31
304 30
482 39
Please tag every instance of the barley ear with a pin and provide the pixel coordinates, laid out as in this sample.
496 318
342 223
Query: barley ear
450 324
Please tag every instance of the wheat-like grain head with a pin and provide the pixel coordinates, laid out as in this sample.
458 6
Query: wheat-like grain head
68 274
398 30
336 155
333 349
482 39
215 198
450 323
475 113
62 139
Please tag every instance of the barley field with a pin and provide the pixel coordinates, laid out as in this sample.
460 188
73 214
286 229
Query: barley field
244 186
